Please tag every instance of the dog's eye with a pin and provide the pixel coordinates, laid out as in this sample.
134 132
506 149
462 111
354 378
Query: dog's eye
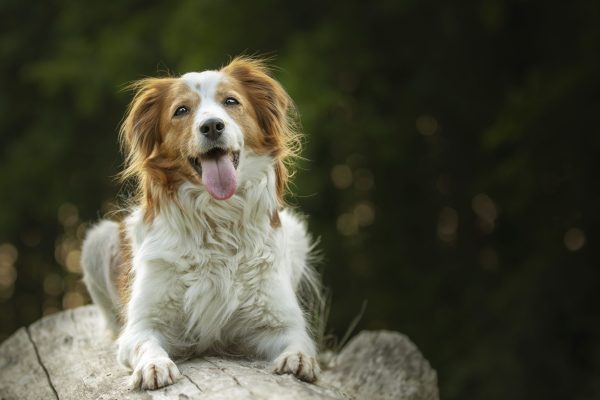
231 101
181 110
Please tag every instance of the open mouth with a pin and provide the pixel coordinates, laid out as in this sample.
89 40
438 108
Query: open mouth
217 167
214 153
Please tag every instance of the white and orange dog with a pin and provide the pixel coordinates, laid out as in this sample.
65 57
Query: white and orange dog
208 260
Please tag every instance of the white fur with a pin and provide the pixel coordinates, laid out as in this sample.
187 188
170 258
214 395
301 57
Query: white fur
209 275
100 257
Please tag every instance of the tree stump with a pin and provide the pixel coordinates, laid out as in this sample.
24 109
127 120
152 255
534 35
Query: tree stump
69 356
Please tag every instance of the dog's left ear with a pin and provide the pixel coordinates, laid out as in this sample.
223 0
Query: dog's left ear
275 112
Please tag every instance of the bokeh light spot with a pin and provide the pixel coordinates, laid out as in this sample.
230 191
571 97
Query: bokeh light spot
72 261
427 125
364 213
341 175
447 225
8 276
50 310
485 208
72 300
8 273
8 253
68 214
347 224
574 239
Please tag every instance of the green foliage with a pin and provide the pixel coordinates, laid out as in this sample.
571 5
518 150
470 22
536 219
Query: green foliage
450 163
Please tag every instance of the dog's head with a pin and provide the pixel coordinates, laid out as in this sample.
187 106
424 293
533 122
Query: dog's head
197 127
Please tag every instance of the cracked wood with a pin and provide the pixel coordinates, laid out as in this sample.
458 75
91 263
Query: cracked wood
69 356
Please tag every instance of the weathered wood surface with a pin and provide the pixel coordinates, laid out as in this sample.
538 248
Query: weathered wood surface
69 356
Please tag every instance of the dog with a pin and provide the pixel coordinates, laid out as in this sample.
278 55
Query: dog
207 259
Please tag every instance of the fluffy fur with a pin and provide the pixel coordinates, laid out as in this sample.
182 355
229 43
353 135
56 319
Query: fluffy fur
191 270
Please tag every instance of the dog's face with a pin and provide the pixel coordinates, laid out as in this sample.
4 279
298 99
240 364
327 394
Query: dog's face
197 127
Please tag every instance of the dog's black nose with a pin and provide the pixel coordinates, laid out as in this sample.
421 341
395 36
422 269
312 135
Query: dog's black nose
212 128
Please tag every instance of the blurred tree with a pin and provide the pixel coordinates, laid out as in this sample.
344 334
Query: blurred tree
450 163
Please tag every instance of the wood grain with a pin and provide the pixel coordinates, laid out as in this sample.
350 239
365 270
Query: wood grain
69 356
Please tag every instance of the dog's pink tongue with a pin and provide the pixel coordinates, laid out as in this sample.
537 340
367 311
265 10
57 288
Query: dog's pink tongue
218 176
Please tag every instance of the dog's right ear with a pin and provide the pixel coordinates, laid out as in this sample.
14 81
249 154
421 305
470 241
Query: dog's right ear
140 131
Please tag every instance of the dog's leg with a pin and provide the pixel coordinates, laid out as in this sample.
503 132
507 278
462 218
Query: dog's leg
298 357
142 347
100 256
289 345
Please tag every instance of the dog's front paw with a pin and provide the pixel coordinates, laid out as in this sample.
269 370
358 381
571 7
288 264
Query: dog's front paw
155 374
302 366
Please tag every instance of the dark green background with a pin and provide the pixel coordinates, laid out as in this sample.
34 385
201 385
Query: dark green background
451 163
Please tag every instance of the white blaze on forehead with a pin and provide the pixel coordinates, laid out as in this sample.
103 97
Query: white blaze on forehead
219 175
204 83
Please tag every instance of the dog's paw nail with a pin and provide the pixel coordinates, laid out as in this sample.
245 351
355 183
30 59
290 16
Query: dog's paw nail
299 364
135 381
155 374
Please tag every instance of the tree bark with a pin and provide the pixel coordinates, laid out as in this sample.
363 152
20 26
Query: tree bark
69 356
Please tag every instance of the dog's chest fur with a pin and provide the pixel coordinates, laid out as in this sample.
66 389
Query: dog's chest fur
209 265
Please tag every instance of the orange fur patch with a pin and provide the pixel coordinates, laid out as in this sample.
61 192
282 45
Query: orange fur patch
275 220
273 110
155 143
